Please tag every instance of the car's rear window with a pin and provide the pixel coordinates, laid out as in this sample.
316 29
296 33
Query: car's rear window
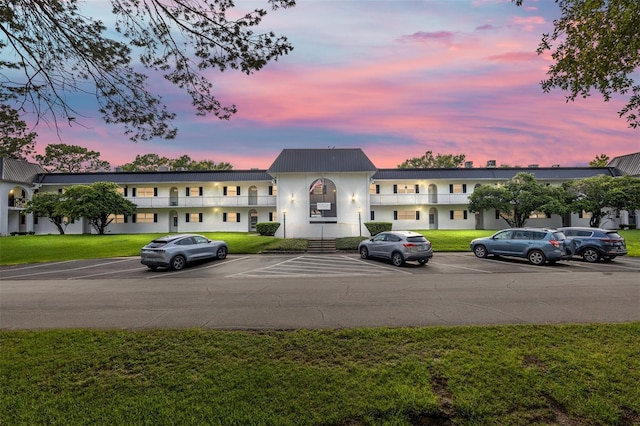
418 239
157 244
613 234
559 236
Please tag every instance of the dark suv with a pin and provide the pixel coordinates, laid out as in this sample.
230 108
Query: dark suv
594 244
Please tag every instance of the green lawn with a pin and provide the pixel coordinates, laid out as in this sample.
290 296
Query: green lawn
507 375
47 248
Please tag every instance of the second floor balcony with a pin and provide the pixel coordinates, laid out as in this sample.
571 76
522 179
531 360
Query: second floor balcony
417 199
217 201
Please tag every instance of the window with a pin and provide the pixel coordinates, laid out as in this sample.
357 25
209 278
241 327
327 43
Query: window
231 217
145 218
374 189
194 217
458 215
407 189
273 216
231 191
122 191
373 215
584 215
117 218
273 190
145 192
539 215
194 192
406 215
458 188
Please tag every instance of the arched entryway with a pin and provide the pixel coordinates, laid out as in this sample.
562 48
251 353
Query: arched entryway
322 201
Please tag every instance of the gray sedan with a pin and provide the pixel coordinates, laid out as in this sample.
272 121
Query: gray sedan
175 251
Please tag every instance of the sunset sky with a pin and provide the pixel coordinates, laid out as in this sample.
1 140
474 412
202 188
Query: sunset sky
395 78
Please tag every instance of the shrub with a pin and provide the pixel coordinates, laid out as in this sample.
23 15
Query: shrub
348 243
267 228
378 227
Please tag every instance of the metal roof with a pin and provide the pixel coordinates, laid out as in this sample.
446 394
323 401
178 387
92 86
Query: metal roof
629 164
153 177
13 170
542 173
322 161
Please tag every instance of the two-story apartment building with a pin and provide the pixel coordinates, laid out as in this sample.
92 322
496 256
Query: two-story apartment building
319 193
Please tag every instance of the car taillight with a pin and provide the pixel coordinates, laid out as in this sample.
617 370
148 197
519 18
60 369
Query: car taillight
604 240
409 244
555 243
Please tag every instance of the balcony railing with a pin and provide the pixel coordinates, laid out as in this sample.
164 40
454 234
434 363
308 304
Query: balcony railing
218 201
417 199
270 200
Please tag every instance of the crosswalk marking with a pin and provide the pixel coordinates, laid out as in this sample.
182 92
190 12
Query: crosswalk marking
321 265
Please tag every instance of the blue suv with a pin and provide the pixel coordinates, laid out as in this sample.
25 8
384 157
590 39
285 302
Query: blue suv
537 245
594 244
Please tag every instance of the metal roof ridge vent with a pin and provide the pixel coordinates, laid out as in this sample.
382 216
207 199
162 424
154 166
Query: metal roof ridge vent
163 168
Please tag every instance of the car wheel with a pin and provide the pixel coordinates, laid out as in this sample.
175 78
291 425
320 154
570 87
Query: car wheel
397 259
222 253
423 261
480 251
536 257
591 255
178 262
364 253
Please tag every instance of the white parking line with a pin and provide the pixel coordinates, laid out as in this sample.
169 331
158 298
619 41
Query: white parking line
461 267
72 269
213 265
312 266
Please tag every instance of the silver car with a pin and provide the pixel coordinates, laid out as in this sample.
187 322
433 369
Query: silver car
175 251
537 245
397 246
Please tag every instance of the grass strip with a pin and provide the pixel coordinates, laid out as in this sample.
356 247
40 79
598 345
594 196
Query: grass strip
48 248
512 375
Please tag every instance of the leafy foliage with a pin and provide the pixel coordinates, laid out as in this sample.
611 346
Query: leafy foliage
63 158
600 161
96 203
15 141
595 45
517 198
59 51
151 162
428 161
596 194
47 204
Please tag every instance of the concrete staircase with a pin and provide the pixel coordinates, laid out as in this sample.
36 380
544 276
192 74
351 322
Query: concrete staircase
321 246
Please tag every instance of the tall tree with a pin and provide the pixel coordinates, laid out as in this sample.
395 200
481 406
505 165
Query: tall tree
96 203
151 162
595 46
63 158
428 161
48 204
146 163
60 50
595 195
517 198
600 161
15 141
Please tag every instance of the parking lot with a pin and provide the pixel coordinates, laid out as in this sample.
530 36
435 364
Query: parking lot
304 265
316 291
